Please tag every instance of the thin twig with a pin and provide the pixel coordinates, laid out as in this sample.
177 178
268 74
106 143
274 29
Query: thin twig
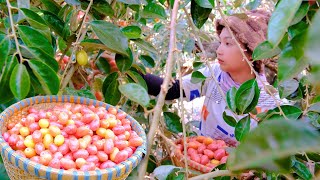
164 90
213 174
206 60
75 44
14 31
182 118
246 59
307 100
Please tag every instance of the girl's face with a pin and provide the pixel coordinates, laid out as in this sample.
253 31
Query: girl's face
229 55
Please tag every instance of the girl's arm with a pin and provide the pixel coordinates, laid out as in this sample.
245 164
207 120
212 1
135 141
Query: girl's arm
154 86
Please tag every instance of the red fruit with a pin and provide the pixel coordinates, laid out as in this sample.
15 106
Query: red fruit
21 153
37 136
73 144
121 156
67 163
120 144
45 158
69 156
39 147
20 145
70 129
82 131
102 156
57 155
122 137
55 128
108 146
87 118
53 148
6 136
64 148
35 159
79 123
193 144
80 162
129 150
33 127
95 124
63 118
213 147
32 110
125 121
10 126
99 95
127 127
137 141
92 149
201 148
118 130
13 139
195 157
99 144
204 160
96 138
88 166
107 164
223 159
81 153
121 115
112 110
218 154
209 153
221 143
55 163
93 158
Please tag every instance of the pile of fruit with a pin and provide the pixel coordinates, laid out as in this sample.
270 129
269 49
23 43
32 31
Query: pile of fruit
73 136
204 150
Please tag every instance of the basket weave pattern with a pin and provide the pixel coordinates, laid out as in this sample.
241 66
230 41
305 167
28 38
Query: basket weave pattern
20 168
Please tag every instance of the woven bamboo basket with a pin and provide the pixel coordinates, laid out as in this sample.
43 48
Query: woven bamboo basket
20 168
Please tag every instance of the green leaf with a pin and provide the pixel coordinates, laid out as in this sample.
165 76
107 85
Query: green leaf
197 65
247 96
292 61
138 79
103 65
147 61
197 77
291 112
136 93
297 29
82 92
158 26
145 46
51 6
301 13
265 50
54 22
34 19
189 45
312 48
229 119
139 67
41 55
287 87
4 49
3 172
132 32
273 140
153 10
33 38
123 62
242 128
281 19
133 2
20 81
253 4
103 7
172 122
112 94
204 3
176 175
111 36
162 172
199 14
108 80
301 169
230 98
5 93
93 44
46 76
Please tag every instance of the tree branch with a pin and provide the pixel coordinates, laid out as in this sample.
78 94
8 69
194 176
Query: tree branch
213 174
14 31
164 89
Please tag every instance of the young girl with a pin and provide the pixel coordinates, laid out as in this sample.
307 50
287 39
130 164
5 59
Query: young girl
231 71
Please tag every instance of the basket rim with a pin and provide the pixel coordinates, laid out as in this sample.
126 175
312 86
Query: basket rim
128 164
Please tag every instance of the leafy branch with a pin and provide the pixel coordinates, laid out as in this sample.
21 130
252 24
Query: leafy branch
164 89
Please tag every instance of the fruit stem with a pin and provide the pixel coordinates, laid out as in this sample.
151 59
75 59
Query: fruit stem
14 31
163 92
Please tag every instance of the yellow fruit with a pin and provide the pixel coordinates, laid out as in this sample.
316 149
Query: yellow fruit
59 140
44 131
47 140
215 162
82 58
24 131
44 123
29 143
